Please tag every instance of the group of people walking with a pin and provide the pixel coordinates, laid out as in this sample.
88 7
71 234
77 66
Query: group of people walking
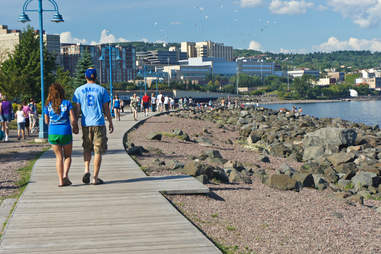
26 117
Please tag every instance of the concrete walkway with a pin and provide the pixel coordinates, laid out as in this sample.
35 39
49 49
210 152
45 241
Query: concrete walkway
128 214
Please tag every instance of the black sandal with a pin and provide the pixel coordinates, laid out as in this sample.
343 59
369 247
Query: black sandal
86 178
98 181
66 181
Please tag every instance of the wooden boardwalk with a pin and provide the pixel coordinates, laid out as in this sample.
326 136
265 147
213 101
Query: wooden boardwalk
128 214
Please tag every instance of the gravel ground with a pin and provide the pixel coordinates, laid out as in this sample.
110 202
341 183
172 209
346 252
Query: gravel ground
255 218
15 154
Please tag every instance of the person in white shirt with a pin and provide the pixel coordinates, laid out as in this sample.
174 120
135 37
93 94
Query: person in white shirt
171 103
166 103
160 102
20 116
153 102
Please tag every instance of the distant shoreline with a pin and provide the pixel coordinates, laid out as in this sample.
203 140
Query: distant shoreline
277 101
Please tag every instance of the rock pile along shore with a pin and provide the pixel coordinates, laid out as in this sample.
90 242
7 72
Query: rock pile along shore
336 154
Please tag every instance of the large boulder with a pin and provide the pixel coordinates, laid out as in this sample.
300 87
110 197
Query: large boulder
330 136
365 179
327 141
305 179
340 158
239 177
282 182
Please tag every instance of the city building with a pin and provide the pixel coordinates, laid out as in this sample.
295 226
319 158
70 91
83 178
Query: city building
187 73
370 73
324 82
9 39
198 68
373 83
123 68
253 67
154 60
207 49
338 76
302 72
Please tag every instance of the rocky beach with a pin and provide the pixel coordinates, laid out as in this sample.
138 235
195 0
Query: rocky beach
280 182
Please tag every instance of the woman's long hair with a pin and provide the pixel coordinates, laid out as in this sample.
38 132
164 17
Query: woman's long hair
56 95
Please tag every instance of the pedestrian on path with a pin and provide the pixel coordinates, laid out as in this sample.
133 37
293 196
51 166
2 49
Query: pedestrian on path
5 116
33 116
134 106
92 100
21 122
146 102
58 114
153 102
116 104
27 111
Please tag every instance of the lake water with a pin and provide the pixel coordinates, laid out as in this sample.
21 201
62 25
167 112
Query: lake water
368 112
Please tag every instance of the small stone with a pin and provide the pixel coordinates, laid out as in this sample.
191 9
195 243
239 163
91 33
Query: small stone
338 215
154 136
264 158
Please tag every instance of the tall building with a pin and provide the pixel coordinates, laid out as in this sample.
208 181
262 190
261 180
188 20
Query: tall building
123 60
157 59
207 49
9 39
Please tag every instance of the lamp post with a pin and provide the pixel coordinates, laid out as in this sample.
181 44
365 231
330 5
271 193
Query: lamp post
57 17
102 58
169 86
237 78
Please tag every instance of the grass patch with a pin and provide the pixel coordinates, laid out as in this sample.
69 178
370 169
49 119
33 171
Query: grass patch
169 135
230 228
214 215
349 186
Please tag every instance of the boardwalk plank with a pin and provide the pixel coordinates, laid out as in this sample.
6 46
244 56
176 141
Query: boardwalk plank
126 215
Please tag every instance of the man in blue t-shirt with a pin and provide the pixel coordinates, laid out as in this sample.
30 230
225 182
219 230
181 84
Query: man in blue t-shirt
93 101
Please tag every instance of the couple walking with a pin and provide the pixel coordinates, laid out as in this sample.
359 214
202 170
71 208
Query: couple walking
92 101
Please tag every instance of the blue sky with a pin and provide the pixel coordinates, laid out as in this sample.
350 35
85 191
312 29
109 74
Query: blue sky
268 25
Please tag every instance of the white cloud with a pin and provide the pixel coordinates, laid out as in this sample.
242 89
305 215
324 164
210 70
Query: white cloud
255 46
285 51
365 13
66 37
334 44
290 7
106 37
250 3
145 40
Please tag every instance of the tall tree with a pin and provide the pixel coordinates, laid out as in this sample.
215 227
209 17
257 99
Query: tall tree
20 73
63 77
84 62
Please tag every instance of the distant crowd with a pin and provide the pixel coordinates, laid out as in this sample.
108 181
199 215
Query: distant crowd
25 115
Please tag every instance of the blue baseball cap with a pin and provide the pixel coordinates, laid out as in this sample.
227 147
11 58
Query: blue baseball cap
91 73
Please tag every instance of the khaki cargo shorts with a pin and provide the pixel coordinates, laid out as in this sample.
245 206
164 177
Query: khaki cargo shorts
94 139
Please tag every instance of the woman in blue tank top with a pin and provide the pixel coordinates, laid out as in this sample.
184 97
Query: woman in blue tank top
116 104
58 115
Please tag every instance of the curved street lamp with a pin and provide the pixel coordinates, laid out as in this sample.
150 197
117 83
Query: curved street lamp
57 18
118 58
